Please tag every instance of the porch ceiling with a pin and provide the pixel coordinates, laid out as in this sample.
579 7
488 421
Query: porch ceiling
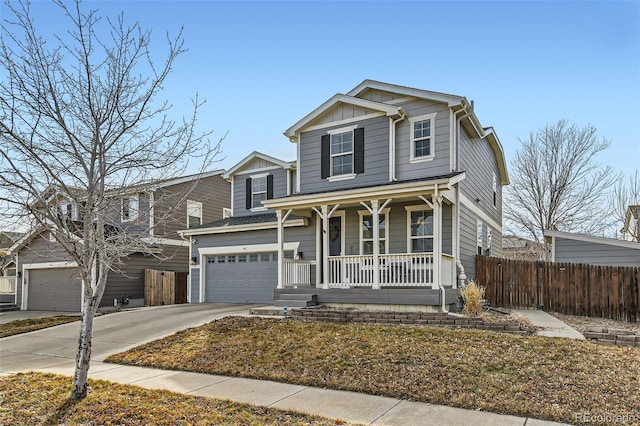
351 197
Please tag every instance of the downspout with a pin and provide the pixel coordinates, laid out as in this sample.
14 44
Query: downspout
438 199
392 145
462 277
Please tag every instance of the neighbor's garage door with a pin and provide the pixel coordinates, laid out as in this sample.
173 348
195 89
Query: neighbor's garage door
244 278
54 290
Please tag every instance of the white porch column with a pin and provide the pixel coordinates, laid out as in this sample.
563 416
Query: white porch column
280 248
376 243
437 240
325 247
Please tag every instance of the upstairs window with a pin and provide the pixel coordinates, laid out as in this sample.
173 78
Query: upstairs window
258 191
342 153
422 131
495 190
420 222
258 188
194 213
129 208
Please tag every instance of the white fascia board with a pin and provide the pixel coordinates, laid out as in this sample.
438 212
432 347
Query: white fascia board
389 110
248 248
50 265
253 156
590 239
496 147
362 194
241 228
165 241
189 178
449 99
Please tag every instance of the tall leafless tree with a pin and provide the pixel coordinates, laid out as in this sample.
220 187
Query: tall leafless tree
558 184
80 118
624 201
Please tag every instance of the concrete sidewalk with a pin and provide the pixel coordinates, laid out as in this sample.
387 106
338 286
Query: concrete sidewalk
551 326
348 406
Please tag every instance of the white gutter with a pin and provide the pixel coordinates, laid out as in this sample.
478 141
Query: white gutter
392 145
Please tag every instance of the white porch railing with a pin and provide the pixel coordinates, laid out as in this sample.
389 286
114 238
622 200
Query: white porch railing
296 272
402 270
8 285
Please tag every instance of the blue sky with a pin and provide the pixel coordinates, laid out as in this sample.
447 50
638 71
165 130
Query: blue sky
264 65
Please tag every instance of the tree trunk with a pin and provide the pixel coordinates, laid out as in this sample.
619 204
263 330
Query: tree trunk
83 357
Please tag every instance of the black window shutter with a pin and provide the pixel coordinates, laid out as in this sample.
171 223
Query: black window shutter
248 193
269 187
358 150
325 152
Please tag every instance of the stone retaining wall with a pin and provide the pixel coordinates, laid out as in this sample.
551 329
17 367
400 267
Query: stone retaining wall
415 318
612 336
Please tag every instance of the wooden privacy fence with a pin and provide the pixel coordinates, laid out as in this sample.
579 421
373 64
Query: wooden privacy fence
164 287
567 288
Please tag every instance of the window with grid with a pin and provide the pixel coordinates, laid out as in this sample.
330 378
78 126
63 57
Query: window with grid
422 131
194 213
342 154
421 231
366 233
258 191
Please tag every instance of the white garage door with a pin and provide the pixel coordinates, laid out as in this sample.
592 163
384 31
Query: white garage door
54 290
241 278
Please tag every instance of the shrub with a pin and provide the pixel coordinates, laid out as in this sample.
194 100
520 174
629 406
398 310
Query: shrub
472 295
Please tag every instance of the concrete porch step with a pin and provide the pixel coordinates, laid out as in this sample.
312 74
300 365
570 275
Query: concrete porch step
295 303
296 300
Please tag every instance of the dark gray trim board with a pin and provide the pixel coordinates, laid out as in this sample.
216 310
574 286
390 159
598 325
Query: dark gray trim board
391 296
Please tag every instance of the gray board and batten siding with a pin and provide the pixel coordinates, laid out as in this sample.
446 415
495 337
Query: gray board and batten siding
592 253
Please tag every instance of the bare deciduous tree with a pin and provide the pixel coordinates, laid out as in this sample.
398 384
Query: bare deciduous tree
80 119
557 182
624 201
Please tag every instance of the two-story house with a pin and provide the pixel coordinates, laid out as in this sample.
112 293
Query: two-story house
393 193
48 278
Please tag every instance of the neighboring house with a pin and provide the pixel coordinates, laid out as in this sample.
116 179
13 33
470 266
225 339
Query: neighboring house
631 229
48 279
7 267
393 188
518 248
575 248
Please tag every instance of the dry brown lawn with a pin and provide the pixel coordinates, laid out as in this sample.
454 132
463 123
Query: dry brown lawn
42 399
538 377
26 325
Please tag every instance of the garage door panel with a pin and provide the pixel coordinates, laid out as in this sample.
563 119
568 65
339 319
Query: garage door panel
241 278
54 290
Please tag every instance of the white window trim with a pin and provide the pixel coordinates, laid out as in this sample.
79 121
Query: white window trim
495 191
385 212
134 216
412 150
344 176
266 189
338 178
198 205
479 237
409 210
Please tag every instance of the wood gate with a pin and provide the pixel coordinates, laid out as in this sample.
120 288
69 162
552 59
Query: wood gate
164 287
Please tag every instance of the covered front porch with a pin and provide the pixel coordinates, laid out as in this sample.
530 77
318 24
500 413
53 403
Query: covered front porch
414 245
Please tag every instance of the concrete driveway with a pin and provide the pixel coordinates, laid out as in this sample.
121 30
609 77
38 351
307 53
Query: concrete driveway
115 332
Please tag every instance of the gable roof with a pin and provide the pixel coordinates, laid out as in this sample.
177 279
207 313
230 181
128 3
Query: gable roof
258 155
455 102
389 110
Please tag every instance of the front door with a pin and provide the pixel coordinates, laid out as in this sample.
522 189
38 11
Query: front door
335 236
